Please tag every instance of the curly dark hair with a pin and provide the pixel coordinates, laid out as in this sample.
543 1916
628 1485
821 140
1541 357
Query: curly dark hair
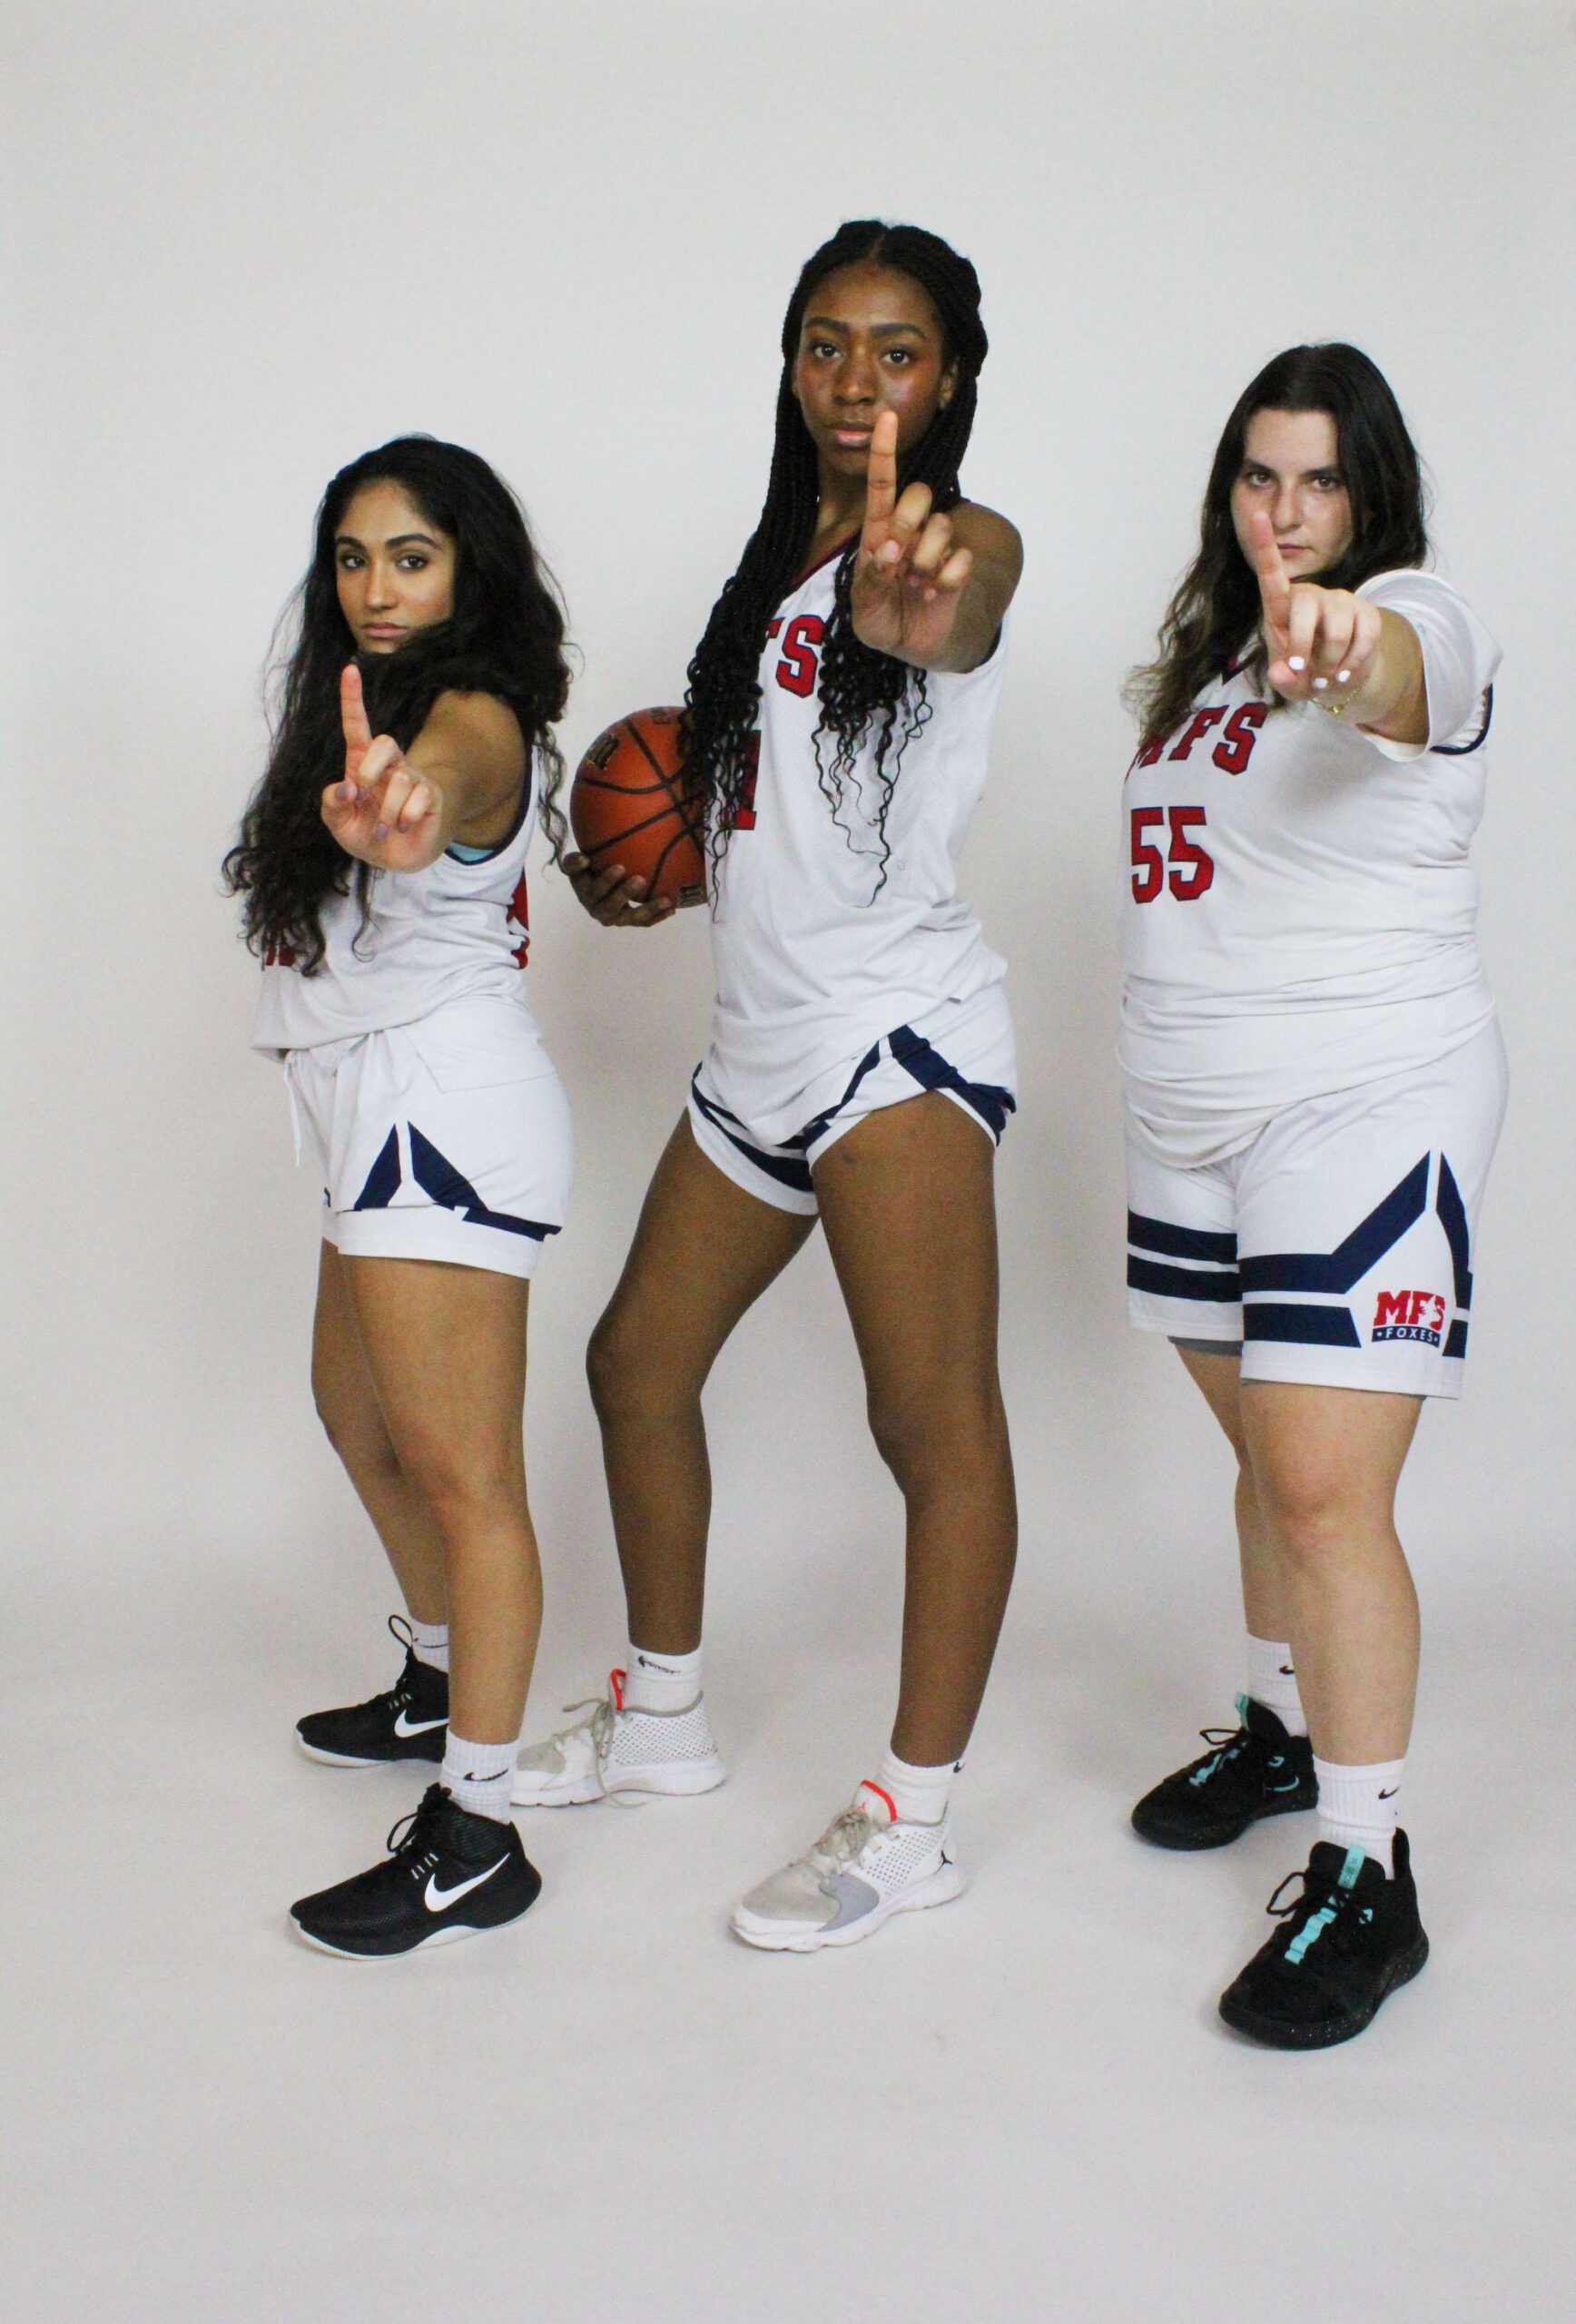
861 689
1217 606
505 637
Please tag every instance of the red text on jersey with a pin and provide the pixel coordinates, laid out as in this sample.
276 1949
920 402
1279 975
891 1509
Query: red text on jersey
1185 868
519 916
1408 1316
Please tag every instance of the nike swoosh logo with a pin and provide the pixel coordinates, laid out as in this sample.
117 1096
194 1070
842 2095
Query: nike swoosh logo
1390 1795
646 1663
439 1899
1290 1787
403 1726
1288 1670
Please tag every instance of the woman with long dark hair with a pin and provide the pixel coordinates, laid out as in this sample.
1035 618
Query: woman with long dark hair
1314 1084
388 904
860 1066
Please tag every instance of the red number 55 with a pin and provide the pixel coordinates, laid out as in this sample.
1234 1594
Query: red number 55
1192 870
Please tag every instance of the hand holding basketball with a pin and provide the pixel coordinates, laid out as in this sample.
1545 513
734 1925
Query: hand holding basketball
614 896
643 847
1320 642
381 811
907 573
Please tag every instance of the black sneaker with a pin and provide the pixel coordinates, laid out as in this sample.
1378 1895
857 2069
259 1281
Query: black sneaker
409 1722
1352 1937
450 1874
1257 1770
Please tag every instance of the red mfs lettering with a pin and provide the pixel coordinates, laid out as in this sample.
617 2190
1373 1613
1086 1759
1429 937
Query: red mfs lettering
1235 748
1197 726
1411 1309
796 670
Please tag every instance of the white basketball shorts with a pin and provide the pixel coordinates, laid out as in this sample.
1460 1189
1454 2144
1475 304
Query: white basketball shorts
1337 1247
963 1048
449 1138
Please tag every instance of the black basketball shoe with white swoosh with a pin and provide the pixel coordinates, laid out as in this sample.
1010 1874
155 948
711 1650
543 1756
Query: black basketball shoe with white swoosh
448 1874
410 1721
1258 1770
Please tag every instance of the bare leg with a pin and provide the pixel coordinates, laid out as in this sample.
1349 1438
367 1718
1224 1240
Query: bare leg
1264 1598
907 1199
1326 1464
446 1355
702 1253
348 1407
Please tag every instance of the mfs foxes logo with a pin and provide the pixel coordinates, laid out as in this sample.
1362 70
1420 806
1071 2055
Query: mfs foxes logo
1408 1316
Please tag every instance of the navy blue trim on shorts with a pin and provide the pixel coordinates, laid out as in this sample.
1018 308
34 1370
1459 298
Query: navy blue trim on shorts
383 1179
1337 1270
781 1166
437 1175
1273 1319
988 1100
1452 1219
1181 1242
1456 1341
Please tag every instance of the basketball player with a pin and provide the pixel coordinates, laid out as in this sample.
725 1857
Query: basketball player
388 907
860 1067
1314 1085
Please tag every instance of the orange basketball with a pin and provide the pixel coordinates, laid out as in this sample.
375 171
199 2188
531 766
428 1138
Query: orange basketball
628 806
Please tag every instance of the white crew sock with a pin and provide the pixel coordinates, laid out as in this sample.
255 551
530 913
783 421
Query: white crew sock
654 1681
480 1775
429 1641
919 1794
1357 1807
1272 1680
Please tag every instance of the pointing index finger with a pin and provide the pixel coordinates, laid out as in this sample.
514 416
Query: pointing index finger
353 711
1274 588
881 489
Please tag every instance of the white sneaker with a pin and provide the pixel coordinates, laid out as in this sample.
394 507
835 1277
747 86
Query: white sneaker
866 1867
614 1749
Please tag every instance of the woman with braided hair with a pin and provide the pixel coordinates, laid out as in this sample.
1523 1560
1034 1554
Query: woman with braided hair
860 1066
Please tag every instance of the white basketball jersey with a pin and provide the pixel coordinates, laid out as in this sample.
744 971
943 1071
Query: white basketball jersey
817 955
453 930
1299 910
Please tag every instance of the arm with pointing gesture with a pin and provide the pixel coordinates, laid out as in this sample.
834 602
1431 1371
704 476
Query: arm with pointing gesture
1327 646
929 588
398 810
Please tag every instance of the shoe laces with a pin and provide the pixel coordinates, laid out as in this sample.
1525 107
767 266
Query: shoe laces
410 1835
843 1841
1324 1906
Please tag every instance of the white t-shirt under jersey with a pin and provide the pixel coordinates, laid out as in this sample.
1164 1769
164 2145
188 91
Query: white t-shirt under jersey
1299 914
453 931
816 957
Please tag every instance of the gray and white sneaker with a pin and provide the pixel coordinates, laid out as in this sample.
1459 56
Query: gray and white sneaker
612 1749
864 1867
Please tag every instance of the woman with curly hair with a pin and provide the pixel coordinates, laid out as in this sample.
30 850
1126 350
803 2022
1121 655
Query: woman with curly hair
388 904
861 1066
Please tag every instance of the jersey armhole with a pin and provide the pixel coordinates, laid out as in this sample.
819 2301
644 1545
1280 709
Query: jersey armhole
462 854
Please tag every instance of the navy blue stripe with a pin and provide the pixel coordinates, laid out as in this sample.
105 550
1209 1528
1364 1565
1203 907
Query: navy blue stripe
437 1177
1181 1283
1349 1262
1271 1319
787 1173
932 1071
1456 1342
1465 750
383 1177
1452 1219
811 1130
1180 1242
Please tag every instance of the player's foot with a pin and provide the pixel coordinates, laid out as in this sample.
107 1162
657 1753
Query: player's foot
410 1721
448 1874
864 1867
1257 1770
1352 1937
612 1749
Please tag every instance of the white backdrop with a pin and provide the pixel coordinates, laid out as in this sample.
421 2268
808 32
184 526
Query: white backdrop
246 244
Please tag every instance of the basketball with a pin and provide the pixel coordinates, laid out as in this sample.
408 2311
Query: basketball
628 806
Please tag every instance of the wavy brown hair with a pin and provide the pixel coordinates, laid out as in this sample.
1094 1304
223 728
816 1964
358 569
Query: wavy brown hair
505 637
1217 609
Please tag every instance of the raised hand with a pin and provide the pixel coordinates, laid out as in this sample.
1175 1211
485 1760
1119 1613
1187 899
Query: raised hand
907 574
1321 643
381 811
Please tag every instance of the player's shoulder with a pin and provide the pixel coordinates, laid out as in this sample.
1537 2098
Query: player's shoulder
476 725
988 533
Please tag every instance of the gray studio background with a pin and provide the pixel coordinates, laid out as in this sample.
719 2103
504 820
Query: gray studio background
245 245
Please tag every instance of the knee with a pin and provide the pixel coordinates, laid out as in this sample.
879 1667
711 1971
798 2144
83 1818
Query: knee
463 1484
1309 1504
629 1375
928 1441
356 1433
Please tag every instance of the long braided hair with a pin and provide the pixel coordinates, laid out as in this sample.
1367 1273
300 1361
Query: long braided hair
1217 609
505 637
861 690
